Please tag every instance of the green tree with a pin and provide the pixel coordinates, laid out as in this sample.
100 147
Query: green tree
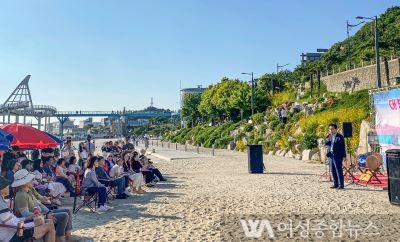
190 108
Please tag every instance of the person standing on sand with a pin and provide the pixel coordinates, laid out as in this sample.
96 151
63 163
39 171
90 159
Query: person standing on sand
336 154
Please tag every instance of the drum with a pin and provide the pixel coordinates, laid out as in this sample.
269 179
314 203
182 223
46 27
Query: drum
373 163
362 159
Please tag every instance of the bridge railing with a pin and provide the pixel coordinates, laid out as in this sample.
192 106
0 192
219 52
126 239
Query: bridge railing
45 107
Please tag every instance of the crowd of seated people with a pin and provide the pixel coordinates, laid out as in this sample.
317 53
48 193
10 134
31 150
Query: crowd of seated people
43 181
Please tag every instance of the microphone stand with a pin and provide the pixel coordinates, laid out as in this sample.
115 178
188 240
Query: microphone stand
328 161
327 172
349 169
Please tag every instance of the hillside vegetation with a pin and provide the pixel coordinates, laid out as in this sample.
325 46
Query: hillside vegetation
221 114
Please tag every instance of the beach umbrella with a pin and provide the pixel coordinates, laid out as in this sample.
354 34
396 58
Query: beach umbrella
5 139
55 138
28 137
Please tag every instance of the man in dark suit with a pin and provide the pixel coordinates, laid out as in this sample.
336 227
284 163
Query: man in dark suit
336 153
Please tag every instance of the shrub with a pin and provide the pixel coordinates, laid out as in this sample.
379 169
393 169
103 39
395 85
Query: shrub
296 117
309 141
258 118
261 129
257 139
272 124
280 126
241 145
248 128
222 143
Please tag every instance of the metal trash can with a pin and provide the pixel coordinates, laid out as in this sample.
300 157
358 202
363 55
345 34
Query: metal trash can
255 158
393 171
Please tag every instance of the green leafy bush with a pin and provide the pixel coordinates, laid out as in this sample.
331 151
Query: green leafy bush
272 124
309 141
280 126
248 128
258 118
222 143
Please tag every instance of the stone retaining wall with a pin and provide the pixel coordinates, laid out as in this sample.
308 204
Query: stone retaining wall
362 78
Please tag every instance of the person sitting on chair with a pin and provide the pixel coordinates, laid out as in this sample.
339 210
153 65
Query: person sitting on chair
26 200
91 185
7 218
50 175
337 153
105 179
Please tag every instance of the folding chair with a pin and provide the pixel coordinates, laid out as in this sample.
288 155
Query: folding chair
373 164
111 189
88 199
348 169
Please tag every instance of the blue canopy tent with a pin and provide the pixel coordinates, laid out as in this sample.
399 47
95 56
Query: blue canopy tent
5 139
55 138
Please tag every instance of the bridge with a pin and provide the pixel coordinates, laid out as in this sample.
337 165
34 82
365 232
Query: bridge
136 114
19 104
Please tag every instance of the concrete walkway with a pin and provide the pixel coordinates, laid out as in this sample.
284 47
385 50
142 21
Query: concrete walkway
172 153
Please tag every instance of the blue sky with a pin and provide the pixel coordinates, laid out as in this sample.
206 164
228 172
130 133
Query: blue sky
104 55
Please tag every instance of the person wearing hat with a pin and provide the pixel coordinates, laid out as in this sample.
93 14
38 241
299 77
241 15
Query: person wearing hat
45 231
26 199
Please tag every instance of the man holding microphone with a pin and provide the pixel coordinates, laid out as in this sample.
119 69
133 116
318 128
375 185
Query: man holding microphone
336 154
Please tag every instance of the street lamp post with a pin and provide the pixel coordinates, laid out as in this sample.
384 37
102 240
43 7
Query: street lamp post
278 66
252 90
277 70
378 62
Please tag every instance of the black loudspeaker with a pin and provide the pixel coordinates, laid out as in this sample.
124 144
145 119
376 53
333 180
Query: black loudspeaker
347 129
393 170
255 158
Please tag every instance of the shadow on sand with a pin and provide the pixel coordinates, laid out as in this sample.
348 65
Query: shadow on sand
131 208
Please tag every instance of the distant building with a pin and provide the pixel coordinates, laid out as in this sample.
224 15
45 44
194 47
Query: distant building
55 126
85 122
199 90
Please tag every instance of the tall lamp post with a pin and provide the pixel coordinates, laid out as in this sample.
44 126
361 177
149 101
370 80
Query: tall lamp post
278 66
378 62
277 69
348 40
252 90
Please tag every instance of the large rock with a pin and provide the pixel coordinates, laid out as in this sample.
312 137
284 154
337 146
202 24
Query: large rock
316 157
298 148
282 152
289 154
323 150
268 132
321 142
297 156
231 145
307 154
298 131
363 140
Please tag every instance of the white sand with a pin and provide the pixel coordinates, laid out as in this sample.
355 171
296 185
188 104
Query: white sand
199 191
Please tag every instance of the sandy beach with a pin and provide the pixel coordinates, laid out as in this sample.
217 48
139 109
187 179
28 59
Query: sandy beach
203 195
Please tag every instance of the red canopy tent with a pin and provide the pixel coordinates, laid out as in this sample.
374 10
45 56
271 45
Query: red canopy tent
27 137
